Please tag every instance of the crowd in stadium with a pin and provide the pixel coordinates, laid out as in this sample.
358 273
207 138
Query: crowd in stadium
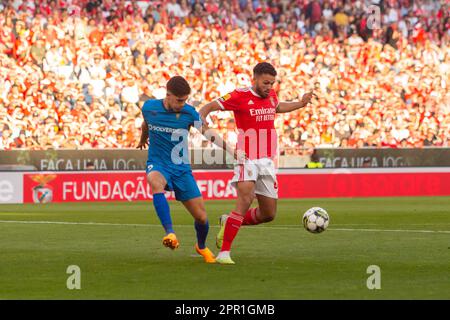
74 73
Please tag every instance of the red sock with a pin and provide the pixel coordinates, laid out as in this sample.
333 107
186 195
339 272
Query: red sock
250 217
232 226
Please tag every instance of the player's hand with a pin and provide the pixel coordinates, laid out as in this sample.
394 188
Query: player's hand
240 156
142 145
307 97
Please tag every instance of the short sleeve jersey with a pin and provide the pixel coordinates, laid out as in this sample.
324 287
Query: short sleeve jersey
255 118
168 133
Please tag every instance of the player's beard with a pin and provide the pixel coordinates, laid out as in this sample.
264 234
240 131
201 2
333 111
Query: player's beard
262 93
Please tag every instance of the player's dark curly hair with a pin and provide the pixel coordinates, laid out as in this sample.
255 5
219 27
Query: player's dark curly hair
264 68
178 86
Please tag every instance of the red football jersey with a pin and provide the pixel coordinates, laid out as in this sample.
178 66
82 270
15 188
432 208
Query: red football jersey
255 118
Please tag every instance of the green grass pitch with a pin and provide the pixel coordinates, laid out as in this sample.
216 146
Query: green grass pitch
118 249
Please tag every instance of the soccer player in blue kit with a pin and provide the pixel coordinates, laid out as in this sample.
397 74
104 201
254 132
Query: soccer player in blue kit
165 129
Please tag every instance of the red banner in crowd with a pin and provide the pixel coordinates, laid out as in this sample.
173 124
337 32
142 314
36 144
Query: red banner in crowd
132 185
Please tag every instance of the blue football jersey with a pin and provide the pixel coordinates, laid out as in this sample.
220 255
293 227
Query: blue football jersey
168 133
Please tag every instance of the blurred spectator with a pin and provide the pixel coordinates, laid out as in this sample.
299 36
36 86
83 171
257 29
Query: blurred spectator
90 166
314 162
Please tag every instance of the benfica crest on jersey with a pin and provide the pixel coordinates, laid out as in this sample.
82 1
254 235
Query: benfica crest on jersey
272 101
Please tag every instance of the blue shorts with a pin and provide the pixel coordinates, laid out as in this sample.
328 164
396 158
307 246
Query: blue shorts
182 182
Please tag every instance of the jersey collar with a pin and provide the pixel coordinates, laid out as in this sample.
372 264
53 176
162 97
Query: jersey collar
254 93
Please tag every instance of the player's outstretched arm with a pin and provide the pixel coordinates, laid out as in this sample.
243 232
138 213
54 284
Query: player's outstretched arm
213 136
209 133
208 108
291 106
143 142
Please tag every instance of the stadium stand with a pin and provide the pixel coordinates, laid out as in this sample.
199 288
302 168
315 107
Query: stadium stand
74 74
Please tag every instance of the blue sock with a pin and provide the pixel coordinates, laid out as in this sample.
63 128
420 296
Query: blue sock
162 209
202 233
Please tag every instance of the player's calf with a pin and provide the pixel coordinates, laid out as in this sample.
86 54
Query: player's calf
267 209
256 216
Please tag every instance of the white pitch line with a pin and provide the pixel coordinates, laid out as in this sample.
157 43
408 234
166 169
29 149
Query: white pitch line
81 223
189 226
391 230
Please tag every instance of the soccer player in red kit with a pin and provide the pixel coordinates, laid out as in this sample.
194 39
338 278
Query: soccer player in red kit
254 109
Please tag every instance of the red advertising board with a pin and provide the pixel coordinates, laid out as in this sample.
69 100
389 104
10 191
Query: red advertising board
113 185
321 183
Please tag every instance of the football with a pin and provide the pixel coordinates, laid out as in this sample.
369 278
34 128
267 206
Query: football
316 220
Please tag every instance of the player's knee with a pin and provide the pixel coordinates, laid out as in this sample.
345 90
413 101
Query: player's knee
202 219
201 216
156 184
157 187
268 216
